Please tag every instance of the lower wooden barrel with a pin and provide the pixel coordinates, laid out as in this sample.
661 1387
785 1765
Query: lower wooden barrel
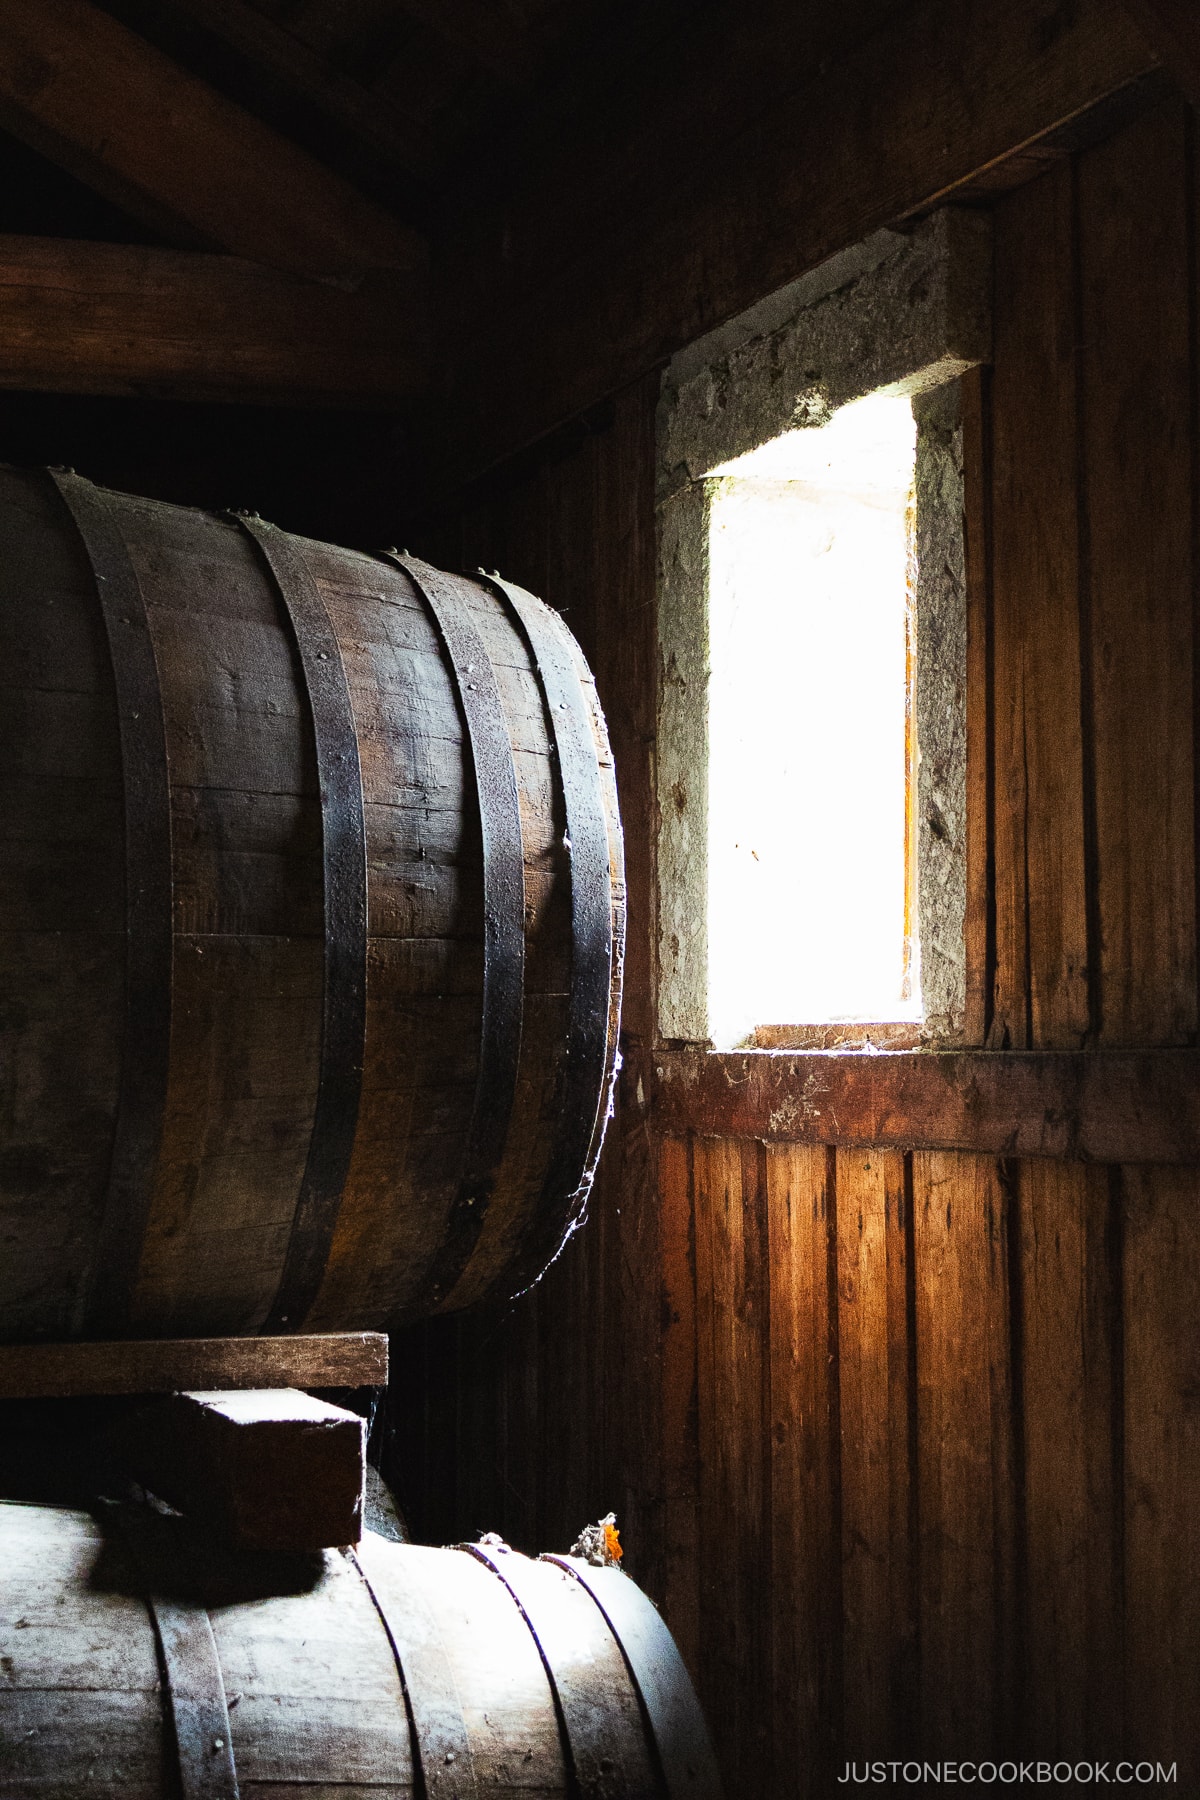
386 1673
311 912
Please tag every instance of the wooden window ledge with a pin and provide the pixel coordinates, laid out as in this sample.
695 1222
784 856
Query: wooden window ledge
1098 1105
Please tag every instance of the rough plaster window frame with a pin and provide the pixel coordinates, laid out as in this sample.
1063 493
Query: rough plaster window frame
901 313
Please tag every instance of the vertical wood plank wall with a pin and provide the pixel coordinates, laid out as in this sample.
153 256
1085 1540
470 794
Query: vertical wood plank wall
908 1446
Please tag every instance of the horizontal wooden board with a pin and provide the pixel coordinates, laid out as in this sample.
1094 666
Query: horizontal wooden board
1117 1106
84 318
326 1359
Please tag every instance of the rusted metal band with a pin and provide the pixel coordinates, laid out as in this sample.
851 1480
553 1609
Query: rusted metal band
503 912
590 1063
196 1692
441 1745
676 1724
593 1735
145 1052
344 853
195 1687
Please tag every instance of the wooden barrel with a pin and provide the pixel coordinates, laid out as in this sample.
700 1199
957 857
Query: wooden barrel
311 910
380 1674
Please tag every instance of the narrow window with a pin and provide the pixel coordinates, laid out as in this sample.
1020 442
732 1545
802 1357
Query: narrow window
810 755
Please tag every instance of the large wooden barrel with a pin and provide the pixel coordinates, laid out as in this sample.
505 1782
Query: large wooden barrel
386 1673
311 910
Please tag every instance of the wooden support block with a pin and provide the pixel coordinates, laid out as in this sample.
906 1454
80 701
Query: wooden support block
344 1359
263 1469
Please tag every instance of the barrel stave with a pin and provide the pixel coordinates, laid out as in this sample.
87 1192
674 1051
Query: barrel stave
467 1653
62 935
315 1696
80 1703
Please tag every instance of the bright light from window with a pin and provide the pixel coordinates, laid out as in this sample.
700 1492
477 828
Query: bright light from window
809 892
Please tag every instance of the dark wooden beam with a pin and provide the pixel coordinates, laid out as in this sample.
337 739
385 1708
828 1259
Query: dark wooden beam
335 1359
486 34
507 49
299 70
1172 30
1105 1106
576 285
102 103
85 318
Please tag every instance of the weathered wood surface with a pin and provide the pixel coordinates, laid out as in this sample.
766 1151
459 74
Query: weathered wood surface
599 272
87 318
204 1241
794 1308
876 1401
331 1359
96 98
1137 384
400 1670
263 1468
1136 1106
298 66
731 1397
1172 31
964 1441
1040 980
1002 1336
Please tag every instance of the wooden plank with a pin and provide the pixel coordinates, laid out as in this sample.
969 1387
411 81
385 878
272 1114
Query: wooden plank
624 657
802 1618
332 1359
678 1350
121 319
1041 994
873 1408
101 102
1161 1299
338 96
1066 1312
1138 416
965 1470
582 299
734 1593
1114 1106
632 1335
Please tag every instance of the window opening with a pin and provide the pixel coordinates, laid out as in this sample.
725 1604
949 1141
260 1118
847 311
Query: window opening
839 391
811 878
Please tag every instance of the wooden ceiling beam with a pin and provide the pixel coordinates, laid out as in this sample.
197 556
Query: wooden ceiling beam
560 295
102 103
1172 30
301 71
505 47
86 318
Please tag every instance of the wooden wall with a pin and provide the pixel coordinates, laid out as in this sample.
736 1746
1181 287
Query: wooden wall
907 1443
